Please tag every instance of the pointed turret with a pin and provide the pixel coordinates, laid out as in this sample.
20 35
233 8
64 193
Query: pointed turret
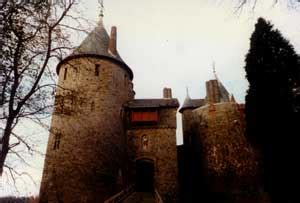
215 90
99 44
224 94
93 85
187 103
191 103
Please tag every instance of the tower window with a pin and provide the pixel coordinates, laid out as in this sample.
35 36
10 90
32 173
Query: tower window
56 141
97 69
65 73
226 150
92 106
125 80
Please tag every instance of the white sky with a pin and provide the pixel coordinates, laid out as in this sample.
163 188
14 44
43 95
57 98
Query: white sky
172 43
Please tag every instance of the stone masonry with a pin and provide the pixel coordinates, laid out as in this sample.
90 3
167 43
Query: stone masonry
83 138
160 147
93 146
215 144
103 141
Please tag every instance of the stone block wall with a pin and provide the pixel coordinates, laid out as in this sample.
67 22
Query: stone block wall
160 148
230 162
187 121
87 142
212 91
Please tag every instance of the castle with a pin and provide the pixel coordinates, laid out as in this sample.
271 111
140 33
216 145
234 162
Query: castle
105 145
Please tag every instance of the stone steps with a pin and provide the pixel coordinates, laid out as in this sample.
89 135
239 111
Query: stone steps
140 197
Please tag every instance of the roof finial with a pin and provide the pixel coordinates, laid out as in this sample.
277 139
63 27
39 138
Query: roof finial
214 70
101 8
187 91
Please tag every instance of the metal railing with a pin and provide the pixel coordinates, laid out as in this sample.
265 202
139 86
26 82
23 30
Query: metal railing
158 198
119 197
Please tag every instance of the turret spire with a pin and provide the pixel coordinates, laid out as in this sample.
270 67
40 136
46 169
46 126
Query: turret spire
214 70
187 91
101 8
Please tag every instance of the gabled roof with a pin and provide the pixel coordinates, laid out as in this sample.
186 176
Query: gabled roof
152 103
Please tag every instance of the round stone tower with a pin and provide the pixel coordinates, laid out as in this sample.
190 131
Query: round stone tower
85 153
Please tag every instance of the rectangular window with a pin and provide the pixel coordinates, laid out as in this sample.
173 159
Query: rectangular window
65 73
144 116
97 69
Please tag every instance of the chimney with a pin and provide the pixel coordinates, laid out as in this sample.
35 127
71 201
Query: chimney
112 46
167 93
212 91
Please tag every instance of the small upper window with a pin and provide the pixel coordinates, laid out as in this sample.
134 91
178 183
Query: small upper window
97 69
125 79
65 73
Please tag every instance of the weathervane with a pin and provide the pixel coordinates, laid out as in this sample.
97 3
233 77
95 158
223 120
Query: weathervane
101 8
214 70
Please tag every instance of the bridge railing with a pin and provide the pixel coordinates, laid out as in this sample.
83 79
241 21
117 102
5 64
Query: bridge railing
158 198
119 197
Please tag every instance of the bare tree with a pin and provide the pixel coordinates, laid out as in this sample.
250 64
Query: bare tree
253 3
33 37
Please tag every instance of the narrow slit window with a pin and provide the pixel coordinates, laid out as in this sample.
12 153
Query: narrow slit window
125 80
56 141
65 73
92 106
97 69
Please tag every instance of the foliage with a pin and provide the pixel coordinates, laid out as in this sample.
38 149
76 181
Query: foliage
254 3
33 37
272 107
18 199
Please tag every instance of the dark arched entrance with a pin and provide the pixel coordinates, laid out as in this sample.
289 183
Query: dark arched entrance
144 176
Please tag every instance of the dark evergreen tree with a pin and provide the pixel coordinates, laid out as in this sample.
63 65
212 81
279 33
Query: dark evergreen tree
272 68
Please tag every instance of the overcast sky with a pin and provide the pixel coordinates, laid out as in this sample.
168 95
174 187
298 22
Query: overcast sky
173 43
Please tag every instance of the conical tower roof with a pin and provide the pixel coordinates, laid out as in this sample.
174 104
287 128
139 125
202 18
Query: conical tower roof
187 102
224 94
191 103
96 44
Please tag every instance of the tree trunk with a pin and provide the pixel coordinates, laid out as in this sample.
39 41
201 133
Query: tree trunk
5 142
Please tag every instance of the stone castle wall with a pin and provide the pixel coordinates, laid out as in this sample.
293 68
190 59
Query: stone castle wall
187 120
230 162
86 145
161 149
